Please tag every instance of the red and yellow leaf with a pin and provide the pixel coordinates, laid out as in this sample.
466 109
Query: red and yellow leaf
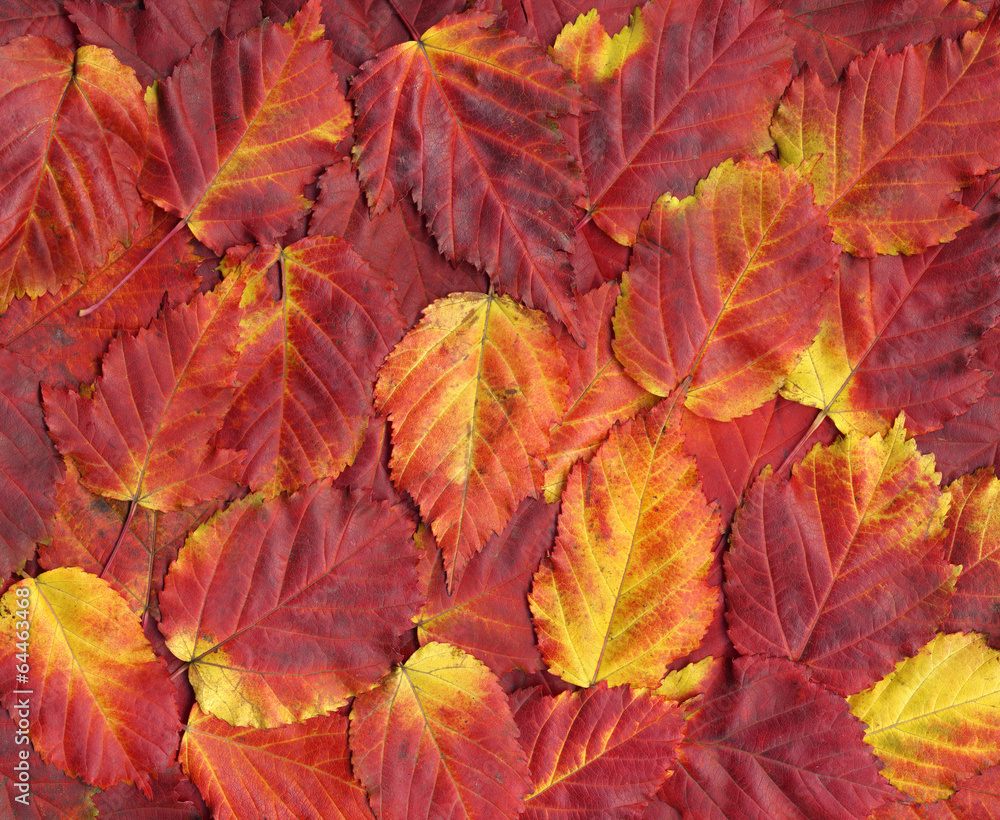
144 435
487 612
769 742
973 541
29 468
437 739
978 797
842 568
724 287
308 360
73 148
626 588
101 705
286 608
472 392
828 34
886 146
601 392
684 87
901 330
278 116
597 753
933 719
542 20
461 118
297 772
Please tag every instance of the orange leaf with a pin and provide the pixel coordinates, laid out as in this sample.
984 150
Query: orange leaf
724 287
472 392
900 132
437 739
461 118
297 772
102 706
626 589
75 138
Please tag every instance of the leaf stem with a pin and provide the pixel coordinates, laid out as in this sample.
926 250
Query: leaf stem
820 418
406 22
121 536
131 273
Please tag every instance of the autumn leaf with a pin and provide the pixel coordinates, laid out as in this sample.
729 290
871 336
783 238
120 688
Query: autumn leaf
625 590
472 392
684 87
486 96
311 619
278 120
931 720
829 34
542 20
44 18
900 132
978 796
94 677
486 613
174 798
902 330
760 746
77 136
291 772
437 738
858 536
717 285
156 452
307 360
600 750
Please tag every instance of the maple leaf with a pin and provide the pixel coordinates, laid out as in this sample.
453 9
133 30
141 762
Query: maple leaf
296 772
625 591
902 330
601 750
77 137
276 125
487 95
714 289
859 528
931 719
307 360
685 86
94 677
156 452
472 392
759 746
886 146
329 568
437 738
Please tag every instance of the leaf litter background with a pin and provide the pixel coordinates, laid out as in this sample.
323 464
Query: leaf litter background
525 408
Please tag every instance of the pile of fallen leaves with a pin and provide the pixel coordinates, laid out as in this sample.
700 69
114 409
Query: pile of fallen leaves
416 411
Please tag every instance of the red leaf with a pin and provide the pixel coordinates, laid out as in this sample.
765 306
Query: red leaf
126 802
486 96
829 34
487 612
334 571
29 467
685 87
154 38
370 470
308 360
75 141
296 772
395 243
542 20
44 18
768 742
156 451
278 118
64 348
597 753
841 568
